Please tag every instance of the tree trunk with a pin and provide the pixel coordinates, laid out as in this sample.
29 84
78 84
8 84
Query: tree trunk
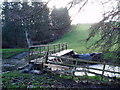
29 42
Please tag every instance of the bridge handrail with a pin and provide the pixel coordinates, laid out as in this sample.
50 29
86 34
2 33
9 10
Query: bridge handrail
35 46
37 50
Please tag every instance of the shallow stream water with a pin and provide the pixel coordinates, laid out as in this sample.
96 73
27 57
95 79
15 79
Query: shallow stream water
100 66
97 66
12 64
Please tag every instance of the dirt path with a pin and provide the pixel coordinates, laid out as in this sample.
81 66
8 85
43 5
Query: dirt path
21 55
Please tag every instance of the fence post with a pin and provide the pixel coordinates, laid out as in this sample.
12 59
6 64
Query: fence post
46 57
103 70
74 68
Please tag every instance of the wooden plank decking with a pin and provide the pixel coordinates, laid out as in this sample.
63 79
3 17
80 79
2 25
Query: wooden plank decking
61 53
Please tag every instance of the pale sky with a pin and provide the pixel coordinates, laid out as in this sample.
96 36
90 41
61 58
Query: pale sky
91 13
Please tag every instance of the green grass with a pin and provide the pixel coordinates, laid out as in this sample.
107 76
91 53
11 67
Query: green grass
15 79
75 39
7 53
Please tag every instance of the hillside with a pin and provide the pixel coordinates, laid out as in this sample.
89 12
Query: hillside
76 37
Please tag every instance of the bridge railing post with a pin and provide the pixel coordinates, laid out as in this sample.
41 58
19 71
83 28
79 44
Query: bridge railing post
35 54
62 46
44 48
48 48
54 48
40 50
66 46
59 47
29 54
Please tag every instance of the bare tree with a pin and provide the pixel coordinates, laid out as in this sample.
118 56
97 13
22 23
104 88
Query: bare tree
108 28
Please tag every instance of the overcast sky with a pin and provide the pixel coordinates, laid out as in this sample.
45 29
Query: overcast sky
91 13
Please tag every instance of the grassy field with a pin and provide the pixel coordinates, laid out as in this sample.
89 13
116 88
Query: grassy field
76 37
7 53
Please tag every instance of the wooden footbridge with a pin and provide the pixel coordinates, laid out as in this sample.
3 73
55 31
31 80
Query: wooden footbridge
41 53
51 56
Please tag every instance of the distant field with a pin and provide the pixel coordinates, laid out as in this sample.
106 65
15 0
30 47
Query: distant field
76 37
7 53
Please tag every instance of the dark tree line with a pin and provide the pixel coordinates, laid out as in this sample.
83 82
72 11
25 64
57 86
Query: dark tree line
60 21
32 23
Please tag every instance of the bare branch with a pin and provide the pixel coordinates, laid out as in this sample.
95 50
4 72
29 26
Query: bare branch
80 9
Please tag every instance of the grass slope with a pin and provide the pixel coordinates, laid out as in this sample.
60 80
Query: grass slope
76 37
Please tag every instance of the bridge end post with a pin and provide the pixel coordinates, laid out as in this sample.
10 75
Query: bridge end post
29 54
